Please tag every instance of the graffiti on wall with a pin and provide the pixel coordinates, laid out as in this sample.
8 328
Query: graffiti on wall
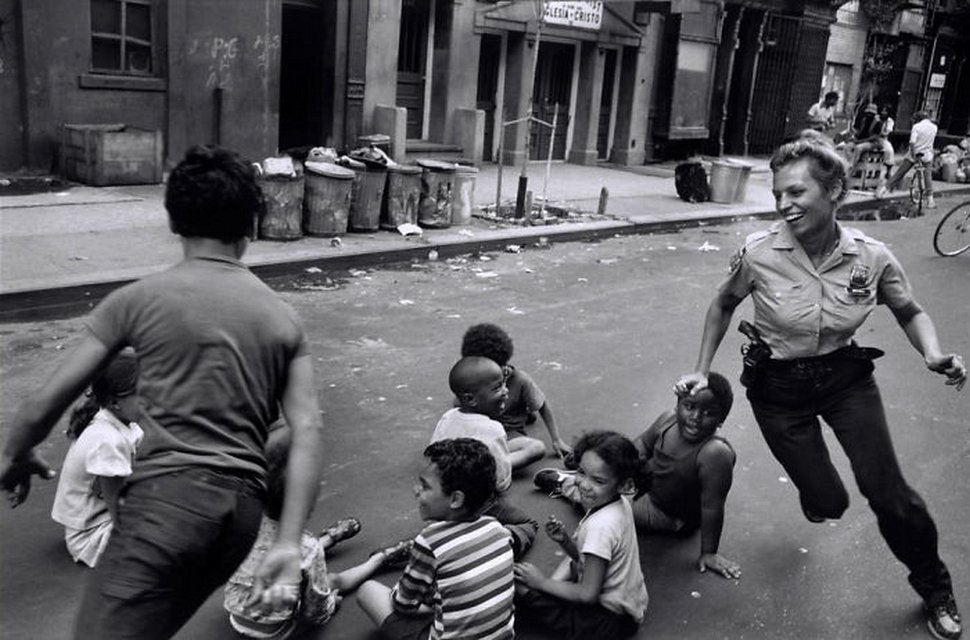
223 55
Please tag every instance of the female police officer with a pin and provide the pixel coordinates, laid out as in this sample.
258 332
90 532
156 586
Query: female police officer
813 283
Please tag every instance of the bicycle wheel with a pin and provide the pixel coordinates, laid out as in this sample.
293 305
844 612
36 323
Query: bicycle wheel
916 187
952 235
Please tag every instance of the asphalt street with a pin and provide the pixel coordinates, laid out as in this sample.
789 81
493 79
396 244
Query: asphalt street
605 328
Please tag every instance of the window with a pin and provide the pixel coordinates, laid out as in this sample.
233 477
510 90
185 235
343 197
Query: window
121 37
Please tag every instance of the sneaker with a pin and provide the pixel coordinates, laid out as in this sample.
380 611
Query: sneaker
570 462
550 480
397 554
930 202
943 619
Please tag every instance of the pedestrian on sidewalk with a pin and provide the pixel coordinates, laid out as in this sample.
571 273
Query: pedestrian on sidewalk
821 115
105 435
922 137
813 284
220 354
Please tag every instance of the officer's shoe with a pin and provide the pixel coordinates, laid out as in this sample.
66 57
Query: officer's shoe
943 619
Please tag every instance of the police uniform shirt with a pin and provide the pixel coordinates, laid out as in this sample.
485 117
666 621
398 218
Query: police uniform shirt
803 311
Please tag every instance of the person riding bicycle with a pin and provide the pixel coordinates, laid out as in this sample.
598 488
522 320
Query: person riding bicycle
922 137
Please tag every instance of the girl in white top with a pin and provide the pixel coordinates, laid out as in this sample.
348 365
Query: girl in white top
598 591
105 436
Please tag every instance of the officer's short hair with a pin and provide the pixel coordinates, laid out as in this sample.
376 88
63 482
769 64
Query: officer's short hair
825 164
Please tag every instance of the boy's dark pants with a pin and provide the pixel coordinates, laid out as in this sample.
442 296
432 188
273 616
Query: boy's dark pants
570 620
519 523
178 537
787 401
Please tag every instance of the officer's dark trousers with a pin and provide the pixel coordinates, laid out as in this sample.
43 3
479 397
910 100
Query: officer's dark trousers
789 398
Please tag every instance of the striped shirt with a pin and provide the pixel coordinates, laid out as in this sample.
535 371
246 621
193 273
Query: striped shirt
463 570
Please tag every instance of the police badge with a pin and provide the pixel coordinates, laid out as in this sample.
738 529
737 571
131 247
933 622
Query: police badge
858 279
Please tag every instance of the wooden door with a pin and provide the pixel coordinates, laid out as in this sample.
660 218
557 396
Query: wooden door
488 67
411 56
553 85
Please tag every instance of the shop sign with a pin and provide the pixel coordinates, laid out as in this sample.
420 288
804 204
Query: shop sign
937 80
579 14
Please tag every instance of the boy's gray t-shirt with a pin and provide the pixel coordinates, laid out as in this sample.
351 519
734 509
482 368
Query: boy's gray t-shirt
214 345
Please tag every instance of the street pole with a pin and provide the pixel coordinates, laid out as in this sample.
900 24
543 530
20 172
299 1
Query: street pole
540 9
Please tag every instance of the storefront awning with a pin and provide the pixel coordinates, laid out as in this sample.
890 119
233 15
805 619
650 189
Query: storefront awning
520 16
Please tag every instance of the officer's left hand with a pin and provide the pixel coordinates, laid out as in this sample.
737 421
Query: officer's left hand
952 366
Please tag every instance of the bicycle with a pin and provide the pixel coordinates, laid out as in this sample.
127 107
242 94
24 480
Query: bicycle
952 236
917 184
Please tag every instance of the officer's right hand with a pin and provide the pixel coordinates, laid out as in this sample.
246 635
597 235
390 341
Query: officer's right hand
690 383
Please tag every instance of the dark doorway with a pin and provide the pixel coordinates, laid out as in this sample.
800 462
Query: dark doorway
606 105
488 64
411 55
305 116
553 84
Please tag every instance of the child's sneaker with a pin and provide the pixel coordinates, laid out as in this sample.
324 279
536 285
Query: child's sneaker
341 530
397 554
943 619
550 480
930 202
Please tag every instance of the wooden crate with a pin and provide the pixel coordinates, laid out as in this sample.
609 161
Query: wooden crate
108 154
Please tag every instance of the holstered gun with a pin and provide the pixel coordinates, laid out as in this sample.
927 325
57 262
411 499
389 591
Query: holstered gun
754 354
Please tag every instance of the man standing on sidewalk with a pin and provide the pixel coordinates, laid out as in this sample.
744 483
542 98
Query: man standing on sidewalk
922 137
219 354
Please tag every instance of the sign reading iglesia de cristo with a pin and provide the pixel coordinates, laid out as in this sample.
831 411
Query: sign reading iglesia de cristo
581 14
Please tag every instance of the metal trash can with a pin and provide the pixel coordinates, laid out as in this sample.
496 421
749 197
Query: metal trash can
437 187
402 193
365 202
326 199
379 140
283 217
464 194
729 181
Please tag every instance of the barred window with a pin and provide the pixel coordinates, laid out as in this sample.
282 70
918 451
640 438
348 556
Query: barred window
121 37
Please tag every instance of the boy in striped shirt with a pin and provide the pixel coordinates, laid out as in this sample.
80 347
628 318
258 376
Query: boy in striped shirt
458 582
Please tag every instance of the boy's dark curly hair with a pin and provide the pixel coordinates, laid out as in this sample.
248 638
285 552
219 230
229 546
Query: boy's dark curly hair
213 193
487 341
721 390
465 465
618 453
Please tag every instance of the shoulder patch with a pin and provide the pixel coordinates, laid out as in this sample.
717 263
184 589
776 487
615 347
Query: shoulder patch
757 236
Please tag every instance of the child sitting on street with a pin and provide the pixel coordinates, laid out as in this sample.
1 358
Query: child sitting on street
691 469
458 582
598 590
479 388
105 437
316 599
525 400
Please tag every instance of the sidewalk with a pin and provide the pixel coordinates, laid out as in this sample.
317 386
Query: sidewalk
70 248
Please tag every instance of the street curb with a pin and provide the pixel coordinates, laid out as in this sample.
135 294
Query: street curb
61 301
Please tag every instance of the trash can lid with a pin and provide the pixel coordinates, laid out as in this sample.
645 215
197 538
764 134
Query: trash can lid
351 163
408 169
436 165
375 138
328 169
